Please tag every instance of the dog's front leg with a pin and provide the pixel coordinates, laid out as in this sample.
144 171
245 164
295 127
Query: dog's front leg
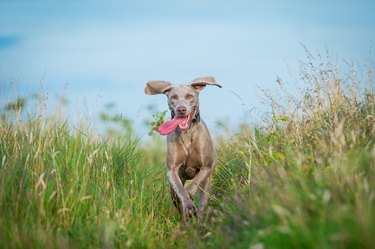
203 174
187 205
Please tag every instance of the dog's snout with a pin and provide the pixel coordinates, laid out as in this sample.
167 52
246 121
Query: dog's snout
181 110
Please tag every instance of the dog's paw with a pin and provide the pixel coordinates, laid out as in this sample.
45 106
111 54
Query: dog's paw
200 215
189 208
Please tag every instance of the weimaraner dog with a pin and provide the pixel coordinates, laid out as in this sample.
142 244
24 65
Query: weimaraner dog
190 155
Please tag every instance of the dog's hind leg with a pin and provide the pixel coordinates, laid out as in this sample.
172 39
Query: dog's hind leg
204 190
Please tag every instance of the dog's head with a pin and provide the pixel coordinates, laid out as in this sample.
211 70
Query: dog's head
183 100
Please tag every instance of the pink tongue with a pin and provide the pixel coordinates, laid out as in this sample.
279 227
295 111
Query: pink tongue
170 125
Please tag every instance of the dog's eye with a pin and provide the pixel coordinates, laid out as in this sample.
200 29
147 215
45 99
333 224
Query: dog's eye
174 97
189 96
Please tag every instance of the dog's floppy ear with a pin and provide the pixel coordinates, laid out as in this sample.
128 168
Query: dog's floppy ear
157 87
202 82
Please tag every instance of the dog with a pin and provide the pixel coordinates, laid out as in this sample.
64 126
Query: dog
190 150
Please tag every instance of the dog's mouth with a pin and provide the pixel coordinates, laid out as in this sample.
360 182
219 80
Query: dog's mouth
183 122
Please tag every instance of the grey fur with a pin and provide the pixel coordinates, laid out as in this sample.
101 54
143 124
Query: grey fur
190 153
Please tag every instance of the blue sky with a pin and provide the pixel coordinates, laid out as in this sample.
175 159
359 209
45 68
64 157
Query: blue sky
105 51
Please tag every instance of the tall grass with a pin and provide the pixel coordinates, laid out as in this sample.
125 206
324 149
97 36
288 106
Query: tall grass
65 187
304 179
307 179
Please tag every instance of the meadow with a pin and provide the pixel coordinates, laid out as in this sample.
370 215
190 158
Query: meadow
302 178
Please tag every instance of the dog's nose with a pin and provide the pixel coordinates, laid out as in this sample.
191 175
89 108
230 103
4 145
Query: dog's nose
181 110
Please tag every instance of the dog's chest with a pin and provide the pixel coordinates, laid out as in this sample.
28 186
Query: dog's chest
191 149
186 140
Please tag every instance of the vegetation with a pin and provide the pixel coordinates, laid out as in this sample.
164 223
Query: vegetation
305 178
